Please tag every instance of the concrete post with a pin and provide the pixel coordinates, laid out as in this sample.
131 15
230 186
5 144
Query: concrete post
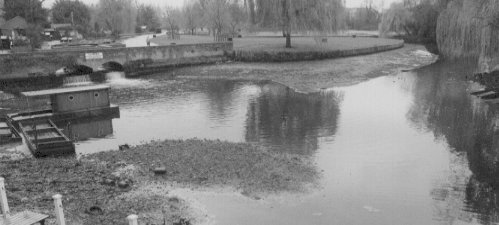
3 198
59 213
132 219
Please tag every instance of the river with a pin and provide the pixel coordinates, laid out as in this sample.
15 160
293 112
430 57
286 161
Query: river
407 148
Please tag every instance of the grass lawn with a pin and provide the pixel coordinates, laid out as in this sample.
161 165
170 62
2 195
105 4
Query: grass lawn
277 43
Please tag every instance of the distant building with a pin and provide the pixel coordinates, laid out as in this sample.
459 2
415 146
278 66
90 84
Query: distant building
65 30
15 28
59 26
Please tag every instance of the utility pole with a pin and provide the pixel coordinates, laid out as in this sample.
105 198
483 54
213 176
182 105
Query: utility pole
72 24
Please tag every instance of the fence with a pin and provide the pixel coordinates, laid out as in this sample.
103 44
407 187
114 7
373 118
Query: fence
223 37
175 36
31 218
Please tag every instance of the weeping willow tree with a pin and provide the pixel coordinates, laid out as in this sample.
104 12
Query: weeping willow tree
313 16
118 16
394 19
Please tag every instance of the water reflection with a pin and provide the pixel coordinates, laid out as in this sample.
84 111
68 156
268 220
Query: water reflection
290 121
160 108
220 95
413 148
86 129
470 127
264 112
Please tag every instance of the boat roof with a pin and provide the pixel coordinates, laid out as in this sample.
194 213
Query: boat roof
57 91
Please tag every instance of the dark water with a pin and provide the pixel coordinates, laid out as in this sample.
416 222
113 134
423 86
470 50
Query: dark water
264 112
410 148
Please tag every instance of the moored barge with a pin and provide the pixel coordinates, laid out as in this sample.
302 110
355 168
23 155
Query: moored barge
69 105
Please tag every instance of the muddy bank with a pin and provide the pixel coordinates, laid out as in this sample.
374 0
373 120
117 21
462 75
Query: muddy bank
119 183
312 76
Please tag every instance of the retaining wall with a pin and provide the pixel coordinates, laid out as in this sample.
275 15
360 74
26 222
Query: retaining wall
283 56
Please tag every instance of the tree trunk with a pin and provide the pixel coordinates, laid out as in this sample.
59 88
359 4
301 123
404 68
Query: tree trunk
286 22
251 5
288 40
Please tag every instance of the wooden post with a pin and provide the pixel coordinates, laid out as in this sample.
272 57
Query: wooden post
59 213
36 135
132 219
3 198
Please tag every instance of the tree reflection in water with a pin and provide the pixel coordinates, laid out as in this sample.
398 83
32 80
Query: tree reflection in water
469 126
288 121
221 96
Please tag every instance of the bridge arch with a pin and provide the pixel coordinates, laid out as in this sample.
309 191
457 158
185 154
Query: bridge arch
112 66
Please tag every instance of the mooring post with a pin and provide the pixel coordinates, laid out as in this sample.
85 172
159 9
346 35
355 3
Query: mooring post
3 198
59 213
132 219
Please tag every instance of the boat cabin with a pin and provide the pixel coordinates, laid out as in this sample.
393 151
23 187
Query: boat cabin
75 98
71 103
74 109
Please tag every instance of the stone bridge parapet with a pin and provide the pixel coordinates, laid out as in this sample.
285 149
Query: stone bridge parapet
134 59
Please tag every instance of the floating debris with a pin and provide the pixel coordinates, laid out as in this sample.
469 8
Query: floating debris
159 170
95 211
124 147
371 209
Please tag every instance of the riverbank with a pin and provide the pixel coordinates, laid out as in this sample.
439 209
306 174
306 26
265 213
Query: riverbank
119 183
312 76
145 60
277 43
271 49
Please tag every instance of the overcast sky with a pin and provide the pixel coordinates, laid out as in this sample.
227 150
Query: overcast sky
178 3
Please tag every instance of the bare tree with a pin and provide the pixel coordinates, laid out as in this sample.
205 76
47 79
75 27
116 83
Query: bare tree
251 9
118 16
172 19
237 16
192 16
394 19
217 14
320 16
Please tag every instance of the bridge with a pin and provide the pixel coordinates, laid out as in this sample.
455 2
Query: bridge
133 59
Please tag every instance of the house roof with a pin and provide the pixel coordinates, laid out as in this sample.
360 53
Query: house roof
60 25
15 23
64 90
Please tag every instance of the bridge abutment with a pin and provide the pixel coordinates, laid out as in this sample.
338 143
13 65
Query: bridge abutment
135 60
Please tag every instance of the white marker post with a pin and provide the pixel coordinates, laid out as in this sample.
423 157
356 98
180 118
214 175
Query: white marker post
59 213
3 199
132 219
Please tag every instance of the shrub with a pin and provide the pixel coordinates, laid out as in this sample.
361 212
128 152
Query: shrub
34 34
20 42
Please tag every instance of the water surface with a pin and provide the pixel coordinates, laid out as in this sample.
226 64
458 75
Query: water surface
408 148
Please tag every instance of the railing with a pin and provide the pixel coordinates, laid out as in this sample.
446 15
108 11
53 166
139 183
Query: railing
174 36
223 37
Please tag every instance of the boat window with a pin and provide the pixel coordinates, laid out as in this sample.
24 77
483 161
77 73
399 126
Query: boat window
71 98
96 94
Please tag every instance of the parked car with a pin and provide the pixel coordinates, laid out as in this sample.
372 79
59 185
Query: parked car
66 39
5 42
